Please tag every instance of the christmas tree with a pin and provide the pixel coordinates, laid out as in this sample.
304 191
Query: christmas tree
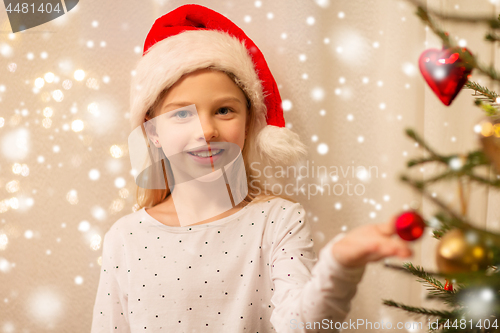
467 257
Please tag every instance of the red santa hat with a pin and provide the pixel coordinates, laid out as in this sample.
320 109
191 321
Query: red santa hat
194 37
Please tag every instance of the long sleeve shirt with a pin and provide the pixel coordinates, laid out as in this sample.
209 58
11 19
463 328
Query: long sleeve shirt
253 271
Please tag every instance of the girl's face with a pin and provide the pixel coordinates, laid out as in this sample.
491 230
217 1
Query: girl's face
219 120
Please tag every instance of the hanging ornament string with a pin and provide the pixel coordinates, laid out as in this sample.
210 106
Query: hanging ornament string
464 194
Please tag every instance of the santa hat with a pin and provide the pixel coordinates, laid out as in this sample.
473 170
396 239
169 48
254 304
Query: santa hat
193 37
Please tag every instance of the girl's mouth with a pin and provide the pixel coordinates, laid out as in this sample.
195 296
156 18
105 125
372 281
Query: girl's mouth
206 153
207 157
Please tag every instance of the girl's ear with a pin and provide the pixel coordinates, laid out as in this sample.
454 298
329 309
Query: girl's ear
150 129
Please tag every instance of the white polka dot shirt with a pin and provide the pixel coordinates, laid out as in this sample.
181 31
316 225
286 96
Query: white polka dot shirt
253 271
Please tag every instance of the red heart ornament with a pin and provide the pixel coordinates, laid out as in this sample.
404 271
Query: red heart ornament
445 71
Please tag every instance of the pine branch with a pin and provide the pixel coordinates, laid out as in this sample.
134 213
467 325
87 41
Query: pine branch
492 22
412 134
434 286
456 221
423 160
490 238
461 280
446 224
492 37
474 158
451 174
493 183
448 42
443 229
419 186
406 271
424 16
491 95
424 276
443 176
421 311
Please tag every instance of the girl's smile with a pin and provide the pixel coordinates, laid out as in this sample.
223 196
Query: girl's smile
207 156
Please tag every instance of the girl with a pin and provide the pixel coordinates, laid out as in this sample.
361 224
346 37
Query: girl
188 261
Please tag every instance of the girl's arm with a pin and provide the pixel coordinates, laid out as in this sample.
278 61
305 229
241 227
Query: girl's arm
111 307
312 298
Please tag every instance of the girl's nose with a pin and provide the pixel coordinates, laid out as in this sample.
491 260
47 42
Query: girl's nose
209 128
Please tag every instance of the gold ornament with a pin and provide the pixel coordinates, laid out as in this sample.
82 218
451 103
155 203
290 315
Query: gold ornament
490 140
460 252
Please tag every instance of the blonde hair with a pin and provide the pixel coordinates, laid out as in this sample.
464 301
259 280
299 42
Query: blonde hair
151 197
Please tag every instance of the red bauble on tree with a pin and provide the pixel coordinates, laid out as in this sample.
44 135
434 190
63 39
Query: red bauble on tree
445 71
410 226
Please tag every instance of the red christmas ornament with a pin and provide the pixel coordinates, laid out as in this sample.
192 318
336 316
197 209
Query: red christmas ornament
410 226
445 71
448 286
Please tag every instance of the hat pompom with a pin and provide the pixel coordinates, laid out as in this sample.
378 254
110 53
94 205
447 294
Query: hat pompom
280 146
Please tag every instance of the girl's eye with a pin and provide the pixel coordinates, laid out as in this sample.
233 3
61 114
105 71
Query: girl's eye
225 111
182 114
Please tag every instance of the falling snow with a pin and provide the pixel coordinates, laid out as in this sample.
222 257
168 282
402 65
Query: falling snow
60 133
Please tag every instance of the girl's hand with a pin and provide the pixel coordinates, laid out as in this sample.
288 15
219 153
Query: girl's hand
370 243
